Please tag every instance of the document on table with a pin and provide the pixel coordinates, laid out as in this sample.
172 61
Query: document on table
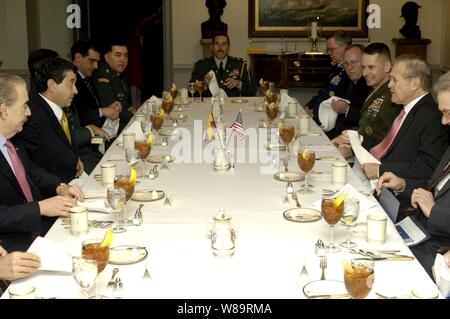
412 232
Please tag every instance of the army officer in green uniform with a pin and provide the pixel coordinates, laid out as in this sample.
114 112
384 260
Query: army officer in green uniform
378 111
232 73
109 85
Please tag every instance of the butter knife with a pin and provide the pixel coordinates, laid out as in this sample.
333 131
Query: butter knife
335 296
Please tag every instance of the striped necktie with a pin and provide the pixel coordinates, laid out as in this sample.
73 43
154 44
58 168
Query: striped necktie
88 84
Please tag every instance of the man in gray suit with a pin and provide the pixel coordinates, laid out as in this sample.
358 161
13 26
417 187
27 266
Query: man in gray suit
431 198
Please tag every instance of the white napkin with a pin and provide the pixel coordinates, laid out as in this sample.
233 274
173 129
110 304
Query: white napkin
135 128
285 99
214 86
155 100
327 115
53 255
94 192
362 156
96 205
80 181
364 202
442 275
111 127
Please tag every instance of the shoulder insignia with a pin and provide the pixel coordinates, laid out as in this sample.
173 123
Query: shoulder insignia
369 131
103 80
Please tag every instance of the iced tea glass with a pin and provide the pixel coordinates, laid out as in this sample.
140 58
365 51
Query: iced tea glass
91 249
306 159
332 213
287 133
157 121
144 149
200 86
359 277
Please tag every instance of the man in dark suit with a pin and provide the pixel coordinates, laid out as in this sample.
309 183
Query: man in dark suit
47 136
338 80
23 185
357 92
417 139
231 73
431 199
85 56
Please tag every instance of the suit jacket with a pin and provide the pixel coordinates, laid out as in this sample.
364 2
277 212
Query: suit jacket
377 115
19 218
87 105
232 69
419 144
46 143
438 224
357 93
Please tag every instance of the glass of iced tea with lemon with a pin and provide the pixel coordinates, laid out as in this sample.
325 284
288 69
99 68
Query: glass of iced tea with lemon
359 276
332 211
306 159
287 133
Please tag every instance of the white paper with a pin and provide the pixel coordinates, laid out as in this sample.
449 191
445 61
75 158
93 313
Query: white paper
111 127
80 181
96 205
53 255
362 156
411 231
442 275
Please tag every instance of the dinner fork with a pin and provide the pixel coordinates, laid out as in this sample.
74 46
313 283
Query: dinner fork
295 197
323 265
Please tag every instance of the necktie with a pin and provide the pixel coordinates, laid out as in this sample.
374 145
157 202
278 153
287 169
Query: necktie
221 69
65 126
379 150
90 89
19 171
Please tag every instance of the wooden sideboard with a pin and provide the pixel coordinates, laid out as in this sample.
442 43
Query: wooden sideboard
291 70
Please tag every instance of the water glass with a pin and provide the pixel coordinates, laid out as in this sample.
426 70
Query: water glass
116 199
84 271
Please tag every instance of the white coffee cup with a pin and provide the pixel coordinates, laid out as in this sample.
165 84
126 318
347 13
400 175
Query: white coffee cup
184 95
22 291
339 173
376 228
128 140
304 124
108 174
79 224
292 109
284 91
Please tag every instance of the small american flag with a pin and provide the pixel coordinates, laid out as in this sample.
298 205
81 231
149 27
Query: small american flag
238 127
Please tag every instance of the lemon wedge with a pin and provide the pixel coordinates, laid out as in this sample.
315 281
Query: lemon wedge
161 113
346 265
150 139
107 240
133 175
338 200
272 105
261 82
174 87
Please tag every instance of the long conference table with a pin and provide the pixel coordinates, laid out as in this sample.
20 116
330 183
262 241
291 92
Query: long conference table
270 250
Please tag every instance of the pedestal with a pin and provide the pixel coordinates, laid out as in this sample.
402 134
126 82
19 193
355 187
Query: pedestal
411 46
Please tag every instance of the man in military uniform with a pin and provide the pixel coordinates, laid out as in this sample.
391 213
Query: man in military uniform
338 80
378 112
232 73
109 85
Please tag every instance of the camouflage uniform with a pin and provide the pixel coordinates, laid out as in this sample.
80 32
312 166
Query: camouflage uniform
232 69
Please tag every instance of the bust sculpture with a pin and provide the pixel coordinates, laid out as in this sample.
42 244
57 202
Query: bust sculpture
410 12
214 24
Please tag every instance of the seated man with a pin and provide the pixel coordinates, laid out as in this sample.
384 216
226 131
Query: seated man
357 92
432 199
378 111
417 140
111 89
232 73
338 80
23 185
47 135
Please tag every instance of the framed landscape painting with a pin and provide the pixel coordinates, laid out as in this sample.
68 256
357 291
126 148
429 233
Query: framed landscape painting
292 18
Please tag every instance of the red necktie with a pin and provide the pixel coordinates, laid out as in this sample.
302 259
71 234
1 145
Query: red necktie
380 149
19 171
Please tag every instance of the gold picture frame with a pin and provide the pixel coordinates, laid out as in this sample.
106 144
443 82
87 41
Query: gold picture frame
292 18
